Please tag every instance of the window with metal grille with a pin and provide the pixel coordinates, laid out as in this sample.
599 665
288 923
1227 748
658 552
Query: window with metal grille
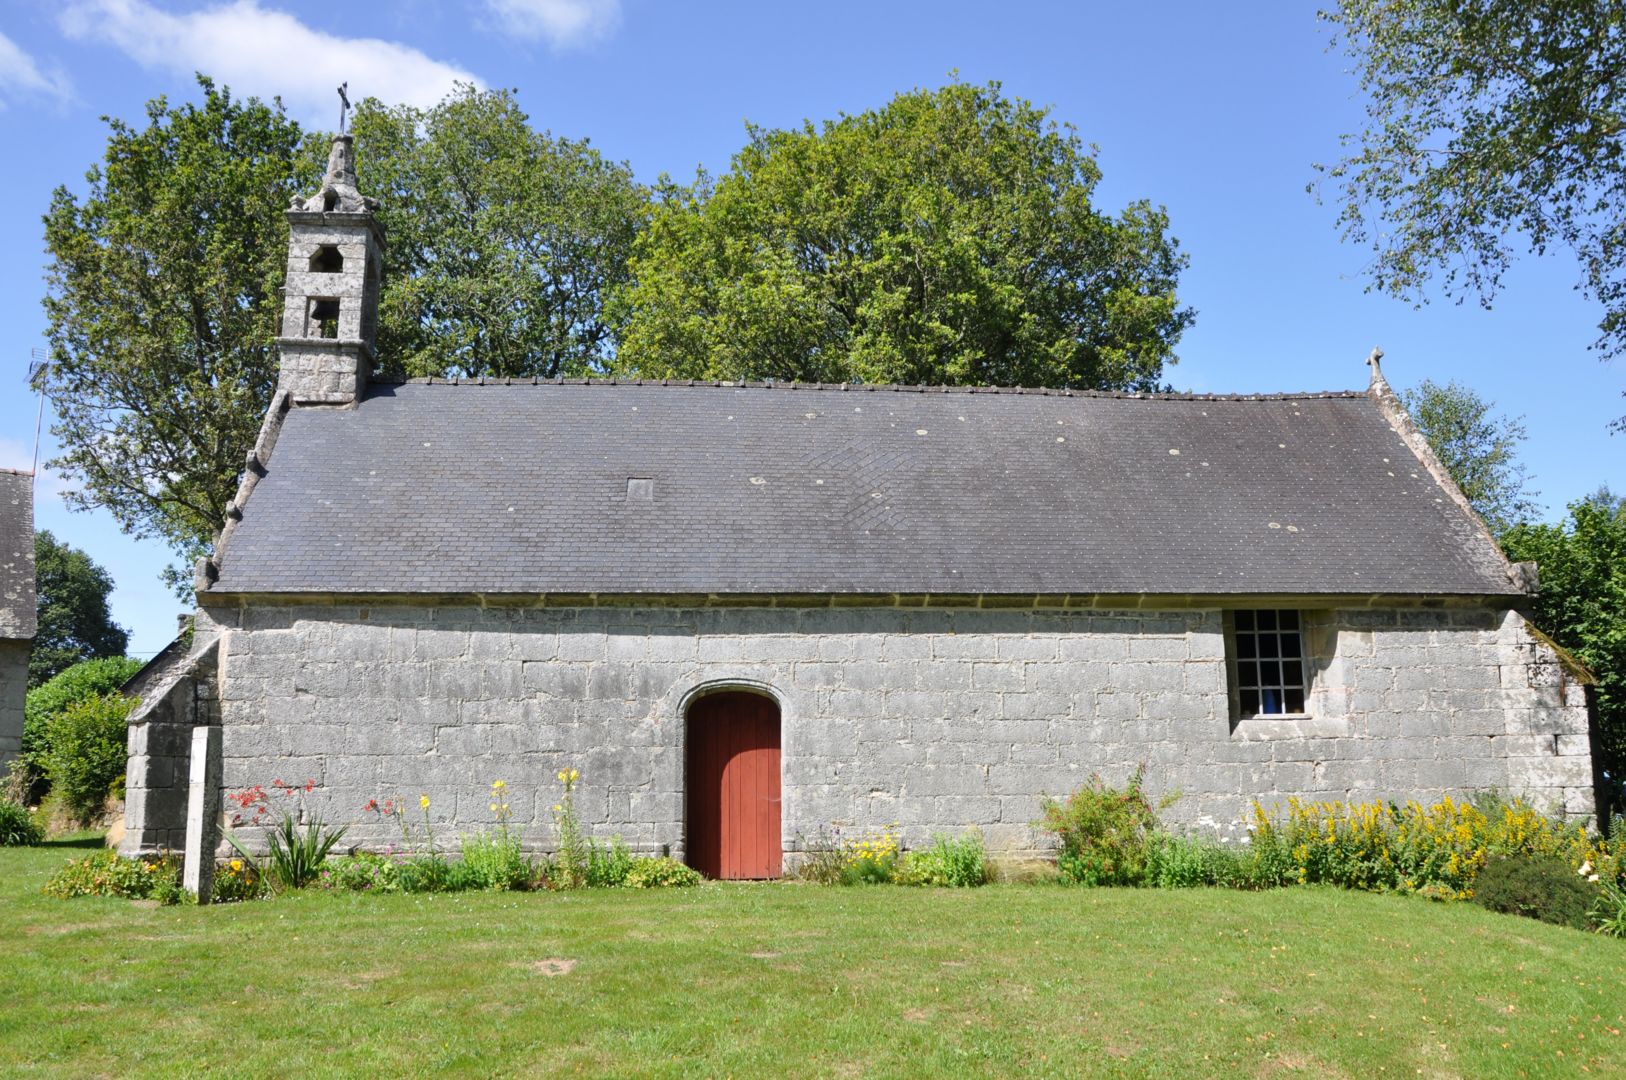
1269 648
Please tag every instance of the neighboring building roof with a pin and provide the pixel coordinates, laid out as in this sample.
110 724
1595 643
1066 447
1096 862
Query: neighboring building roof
574 487
18 614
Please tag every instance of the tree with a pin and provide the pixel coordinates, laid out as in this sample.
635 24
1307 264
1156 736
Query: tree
165 277
163 303
1479 450
503 240
947 237
87 755
1582 606
74 621
1487 119
89 679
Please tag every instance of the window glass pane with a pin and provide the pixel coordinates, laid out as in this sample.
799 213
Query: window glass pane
1270 667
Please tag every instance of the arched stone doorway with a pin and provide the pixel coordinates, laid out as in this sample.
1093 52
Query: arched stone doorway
731 772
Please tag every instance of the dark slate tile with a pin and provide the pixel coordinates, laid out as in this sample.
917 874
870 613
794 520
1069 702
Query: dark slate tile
523 488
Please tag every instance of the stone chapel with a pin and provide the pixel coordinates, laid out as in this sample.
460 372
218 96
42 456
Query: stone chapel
751 612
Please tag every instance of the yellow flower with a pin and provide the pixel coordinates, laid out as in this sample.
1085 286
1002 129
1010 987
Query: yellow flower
563 775
493 807
237 864
498 784
574 775
557 808
423 801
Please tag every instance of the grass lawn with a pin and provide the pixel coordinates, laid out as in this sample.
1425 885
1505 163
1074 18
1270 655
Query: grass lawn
753 980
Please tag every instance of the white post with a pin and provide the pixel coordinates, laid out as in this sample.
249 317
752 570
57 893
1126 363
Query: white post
202 813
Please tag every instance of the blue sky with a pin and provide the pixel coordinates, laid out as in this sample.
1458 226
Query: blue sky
1216 111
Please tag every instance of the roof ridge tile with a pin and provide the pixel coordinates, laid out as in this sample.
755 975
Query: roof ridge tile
897 388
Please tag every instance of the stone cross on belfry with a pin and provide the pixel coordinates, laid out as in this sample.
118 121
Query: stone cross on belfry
344 104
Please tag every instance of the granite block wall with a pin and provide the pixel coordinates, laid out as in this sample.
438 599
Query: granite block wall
13 691
932 719
180 696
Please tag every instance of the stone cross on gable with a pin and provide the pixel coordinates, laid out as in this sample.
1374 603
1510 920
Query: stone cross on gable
344 104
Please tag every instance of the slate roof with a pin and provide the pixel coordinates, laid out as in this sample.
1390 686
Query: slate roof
475 488
18 614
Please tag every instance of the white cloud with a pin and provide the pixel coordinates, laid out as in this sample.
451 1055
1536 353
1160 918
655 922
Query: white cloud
563 22
265 52
20 75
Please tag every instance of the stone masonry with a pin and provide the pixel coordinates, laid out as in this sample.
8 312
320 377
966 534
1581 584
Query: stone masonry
933 720
17 606
181 695
335 260
13 692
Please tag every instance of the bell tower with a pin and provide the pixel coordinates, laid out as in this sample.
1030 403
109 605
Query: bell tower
330 301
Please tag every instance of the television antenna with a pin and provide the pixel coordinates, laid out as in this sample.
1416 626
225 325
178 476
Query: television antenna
39 363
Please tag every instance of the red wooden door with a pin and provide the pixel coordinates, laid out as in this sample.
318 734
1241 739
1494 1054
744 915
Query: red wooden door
733 780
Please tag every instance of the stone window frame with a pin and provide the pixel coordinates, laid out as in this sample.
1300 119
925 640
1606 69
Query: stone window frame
323 314
1326 681
326 259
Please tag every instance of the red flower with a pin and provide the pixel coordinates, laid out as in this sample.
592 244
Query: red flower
372 805
310 785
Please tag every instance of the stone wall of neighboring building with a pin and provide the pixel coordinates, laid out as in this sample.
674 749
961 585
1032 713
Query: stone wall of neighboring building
177 695
13 692
933 719
18 605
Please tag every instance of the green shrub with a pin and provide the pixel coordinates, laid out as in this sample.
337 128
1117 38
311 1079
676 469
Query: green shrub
18 827
1609 912
296 856
361 872
461 877
494 861
872 860
1268 863
661 873
105 873
608 867
822 859
92 678
950 863
570 860
1438 849
1537 887
238 879
87 752
1104 832
1186 862
428 872
18 781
